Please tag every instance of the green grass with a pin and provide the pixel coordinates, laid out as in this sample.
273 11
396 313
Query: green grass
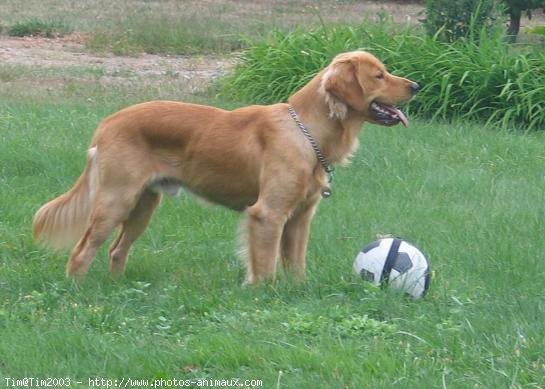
471 198
193 34
38 27
540 30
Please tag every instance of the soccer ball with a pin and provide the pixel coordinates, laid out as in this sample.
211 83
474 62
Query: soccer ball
395 263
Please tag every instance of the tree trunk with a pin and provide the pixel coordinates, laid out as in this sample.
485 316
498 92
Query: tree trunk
514 24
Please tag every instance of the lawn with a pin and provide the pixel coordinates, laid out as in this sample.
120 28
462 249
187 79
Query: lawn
470 197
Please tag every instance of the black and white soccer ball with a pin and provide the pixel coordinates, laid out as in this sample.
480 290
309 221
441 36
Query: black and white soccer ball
394 263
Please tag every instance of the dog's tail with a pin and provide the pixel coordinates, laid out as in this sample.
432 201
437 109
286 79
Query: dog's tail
61 222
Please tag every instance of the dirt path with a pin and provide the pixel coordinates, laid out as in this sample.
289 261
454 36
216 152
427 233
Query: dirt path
68 54
70 51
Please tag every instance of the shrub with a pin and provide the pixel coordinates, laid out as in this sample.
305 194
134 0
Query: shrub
36 27
463 79
272 69
453 19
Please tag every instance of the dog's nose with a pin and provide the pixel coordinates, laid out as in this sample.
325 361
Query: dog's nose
415 87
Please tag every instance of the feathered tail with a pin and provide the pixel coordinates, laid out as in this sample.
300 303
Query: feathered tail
61 222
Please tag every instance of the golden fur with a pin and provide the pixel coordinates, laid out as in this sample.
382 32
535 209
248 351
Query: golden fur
253 159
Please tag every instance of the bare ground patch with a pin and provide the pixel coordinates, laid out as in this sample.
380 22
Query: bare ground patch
51 63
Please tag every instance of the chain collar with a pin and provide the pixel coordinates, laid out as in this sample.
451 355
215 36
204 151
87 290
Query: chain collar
327 167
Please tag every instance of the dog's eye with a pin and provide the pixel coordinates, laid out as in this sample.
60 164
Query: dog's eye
380 76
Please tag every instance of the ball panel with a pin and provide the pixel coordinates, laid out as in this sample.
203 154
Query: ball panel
371 246
372 259
367 275
402 262
411 282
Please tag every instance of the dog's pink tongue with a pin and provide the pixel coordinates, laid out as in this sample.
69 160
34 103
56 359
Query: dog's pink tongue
401 117
397 112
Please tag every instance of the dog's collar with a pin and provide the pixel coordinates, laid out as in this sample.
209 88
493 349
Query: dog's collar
327 167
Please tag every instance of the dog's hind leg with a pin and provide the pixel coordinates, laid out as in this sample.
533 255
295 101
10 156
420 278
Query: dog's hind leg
131 229
110 209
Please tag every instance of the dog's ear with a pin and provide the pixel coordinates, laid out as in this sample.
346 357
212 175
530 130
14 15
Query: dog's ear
342 88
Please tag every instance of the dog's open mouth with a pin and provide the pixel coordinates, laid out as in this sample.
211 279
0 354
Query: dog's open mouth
388 115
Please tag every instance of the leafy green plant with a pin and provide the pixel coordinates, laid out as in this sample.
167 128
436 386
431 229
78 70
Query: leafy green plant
37 27
364 326
450 20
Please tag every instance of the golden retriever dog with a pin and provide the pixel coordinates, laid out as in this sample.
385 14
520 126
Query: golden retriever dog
268 162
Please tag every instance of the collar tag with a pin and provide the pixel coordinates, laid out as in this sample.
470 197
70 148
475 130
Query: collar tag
326 192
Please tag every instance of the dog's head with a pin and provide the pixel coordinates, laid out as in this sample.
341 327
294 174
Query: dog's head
358 81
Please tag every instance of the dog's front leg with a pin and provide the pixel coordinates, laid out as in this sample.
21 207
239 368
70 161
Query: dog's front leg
264 230
295 239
